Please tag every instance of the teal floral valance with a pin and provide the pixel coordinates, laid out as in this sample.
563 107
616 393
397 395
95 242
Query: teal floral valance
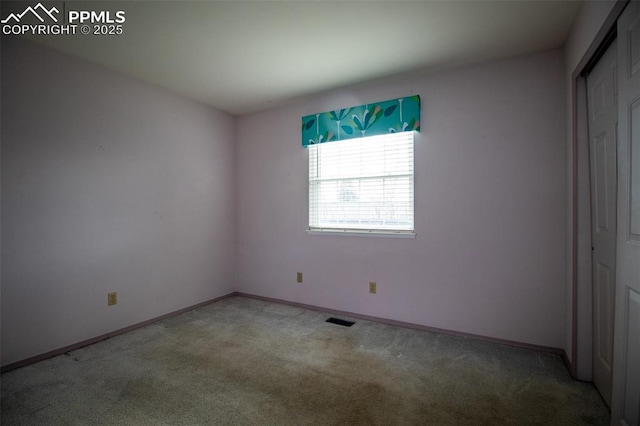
396 115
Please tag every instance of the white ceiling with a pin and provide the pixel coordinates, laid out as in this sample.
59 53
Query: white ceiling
242 57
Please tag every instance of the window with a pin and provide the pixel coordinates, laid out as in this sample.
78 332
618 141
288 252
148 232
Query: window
362 185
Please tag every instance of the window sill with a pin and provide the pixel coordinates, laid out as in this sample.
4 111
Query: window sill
363 233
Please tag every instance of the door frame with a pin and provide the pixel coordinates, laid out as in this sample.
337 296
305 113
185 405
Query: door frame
581 330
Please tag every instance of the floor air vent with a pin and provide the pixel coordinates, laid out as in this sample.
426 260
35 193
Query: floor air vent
339 321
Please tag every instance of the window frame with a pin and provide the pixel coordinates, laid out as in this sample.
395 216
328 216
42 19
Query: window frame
369 232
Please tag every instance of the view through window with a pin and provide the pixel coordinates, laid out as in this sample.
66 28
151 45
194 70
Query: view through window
363 184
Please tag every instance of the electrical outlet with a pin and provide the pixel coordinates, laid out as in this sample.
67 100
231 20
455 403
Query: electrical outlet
373 287
112 298
299 277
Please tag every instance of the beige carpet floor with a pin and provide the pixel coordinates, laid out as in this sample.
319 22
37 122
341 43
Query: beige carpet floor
244 361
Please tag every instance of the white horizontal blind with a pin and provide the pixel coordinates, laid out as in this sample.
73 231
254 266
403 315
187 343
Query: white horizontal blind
362 184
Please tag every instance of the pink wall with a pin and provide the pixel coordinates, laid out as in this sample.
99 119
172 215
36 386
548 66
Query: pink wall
108 184
490 203
112 184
